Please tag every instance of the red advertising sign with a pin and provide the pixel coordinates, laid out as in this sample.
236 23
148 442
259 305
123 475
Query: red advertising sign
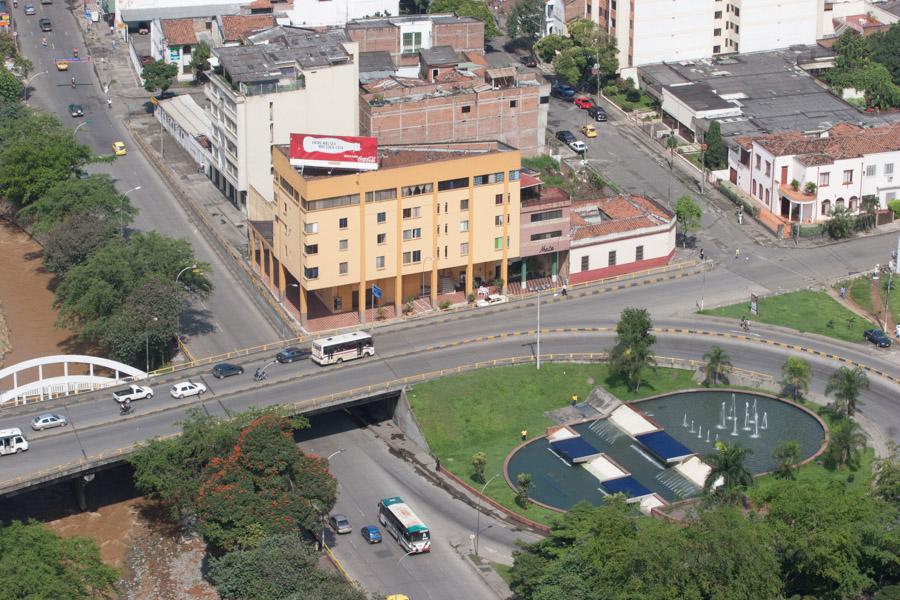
334 151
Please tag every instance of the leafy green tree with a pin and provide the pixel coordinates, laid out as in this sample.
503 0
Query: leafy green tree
548 46
845 446
467 8
524 483
37 563
479 460
569 64
158 75
71 242
283 566
795 376
597 46
632 354
525 19
716 152
886 475
143 328
95 195
718 363
846 384
727 464
852 51
200 58
840 225
687 214
10 86
885 49
786 457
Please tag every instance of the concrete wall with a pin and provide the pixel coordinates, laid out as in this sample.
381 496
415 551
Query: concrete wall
659 246
670 31
317 12
406 421
771 24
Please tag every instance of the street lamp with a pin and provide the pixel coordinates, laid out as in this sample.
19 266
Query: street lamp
134 189
30 79
177 277
333 454
539 330
147 344
424 260
478 510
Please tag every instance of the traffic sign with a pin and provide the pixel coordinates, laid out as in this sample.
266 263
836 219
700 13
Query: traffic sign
376 291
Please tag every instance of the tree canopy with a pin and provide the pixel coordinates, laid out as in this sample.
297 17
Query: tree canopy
158 75
632 354
526 19
687 214
574 57
95 196
716 152
73 241
468 8
870 65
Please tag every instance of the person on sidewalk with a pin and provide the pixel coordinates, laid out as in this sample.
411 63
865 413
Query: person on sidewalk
842 292
701 253
737 253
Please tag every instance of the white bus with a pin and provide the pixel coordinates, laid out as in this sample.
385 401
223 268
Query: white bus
402 523
12 441
338 348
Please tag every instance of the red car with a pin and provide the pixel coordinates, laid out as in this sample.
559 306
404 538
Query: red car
584 103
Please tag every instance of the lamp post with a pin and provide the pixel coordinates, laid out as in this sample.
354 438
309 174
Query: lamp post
478 511
30 79
134 189
431 258
539 330
147 344
178 324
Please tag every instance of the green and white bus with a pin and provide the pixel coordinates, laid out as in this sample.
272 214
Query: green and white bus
402 523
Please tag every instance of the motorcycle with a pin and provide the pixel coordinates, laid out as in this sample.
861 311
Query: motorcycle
75 52
73 83
125 409
259 375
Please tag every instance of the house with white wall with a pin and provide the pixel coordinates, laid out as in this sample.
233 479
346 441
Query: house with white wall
173 41
317 13
832 170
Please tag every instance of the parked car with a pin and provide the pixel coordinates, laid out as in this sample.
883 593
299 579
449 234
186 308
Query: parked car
45 25
371 534
340 523
29 9
562 91
119 149
133 393
222 370
565 136
597 113
529 61
48 421
183 389
289 355
76 110
491 300
878 337
589 131
584 103
578 146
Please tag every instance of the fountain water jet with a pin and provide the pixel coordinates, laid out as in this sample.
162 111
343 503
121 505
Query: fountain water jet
692 426
755 430
707 436
746 426
722 417
765 423
734 430
700 432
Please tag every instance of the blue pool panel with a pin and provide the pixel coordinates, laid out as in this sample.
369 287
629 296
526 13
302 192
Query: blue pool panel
574 450
664 446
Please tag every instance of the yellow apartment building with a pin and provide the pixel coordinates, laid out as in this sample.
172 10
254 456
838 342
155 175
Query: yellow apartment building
432 219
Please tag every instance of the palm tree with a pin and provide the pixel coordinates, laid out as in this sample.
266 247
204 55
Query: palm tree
846 384
786 457
728 464
847 442
795 376
717 364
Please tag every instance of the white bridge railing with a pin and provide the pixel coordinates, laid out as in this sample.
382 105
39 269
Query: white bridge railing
26 381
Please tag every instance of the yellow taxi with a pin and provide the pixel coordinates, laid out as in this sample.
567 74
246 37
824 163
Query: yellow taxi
398 597
62 65
119 149
589 131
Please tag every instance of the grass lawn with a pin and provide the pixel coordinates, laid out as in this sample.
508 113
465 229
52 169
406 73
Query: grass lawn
484 411
646 101
859 290
503 571
894 300
805 311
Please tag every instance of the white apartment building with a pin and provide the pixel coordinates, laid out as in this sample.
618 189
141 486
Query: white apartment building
836 169
284 80
315 13
652 31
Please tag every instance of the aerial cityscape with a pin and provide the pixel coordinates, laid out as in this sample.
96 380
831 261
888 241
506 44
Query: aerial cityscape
441 299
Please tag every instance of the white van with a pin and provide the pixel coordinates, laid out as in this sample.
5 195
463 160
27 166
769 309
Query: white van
12 441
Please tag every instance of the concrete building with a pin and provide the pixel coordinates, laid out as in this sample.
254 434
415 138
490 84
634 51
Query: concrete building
431 219
834 169
317 13
543 234
613 236
189 125
404 37
685 104
284 79
861 16
452 99
173 41
132 16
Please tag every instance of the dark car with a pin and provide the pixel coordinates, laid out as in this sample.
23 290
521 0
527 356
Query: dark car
597 113
565 136
45 25
371 534
76 110
529 61
562 91
877 337
289 355
222 370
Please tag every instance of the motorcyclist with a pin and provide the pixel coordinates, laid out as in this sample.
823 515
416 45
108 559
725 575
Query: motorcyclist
44 41
73 81
125 407
259 375
75 52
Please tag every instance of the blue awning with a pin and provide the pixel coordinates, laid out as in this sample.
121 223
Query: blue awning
664 446
574 450
625 485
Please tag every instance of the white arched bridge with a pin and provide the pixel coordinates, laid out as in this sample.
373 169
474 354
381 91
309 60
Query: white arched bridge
60 375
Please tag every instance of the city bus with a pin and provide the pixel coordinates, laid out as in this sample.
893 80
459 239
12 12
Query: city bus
402 523
338 348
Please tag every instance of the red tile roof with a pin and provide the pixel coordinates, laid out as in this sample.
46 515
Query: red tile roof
527 181
843 141
618 215
236 27
179 32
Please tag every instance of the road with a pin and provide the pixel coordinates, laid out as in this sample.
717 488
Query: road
231 317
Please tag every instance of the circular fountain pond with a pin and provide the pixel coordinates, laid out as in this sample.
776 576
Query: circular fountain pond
696 420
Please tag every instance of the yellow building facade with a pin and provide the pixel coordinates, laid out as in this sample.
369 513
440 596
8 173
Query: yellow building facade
431 220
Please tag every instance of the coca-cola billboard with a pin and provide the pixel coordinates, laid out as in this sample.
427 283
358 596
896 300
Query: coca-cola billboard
334 151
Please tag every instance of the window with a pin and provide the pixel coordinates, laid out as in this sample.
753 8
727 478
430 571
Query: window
848 176
498 243
418 189
498 220
491 178
379 262
535 237
737 11
585 263
342 223
639 253
513 175
464 249
512 103
890 196
466 109
717 14
717 49
412 257
310 228
412 234
464 204
612 258
826 207
412 213
717 31
445 228
768 168
381 217
758 161
311 272
871 170
824 179
381 238
412 42
343 245
546 216
464 225
737 28
753 188
888 168
381 195
348 200
544 100
453 184
767 197
343 268
310 249
498 199
445 252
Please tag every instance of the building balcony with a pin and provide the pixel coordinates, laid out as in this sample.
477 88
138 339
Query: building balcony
798 195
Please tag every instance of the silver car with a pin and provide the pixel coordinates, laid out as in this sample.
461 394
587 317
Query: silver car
48 421
29 9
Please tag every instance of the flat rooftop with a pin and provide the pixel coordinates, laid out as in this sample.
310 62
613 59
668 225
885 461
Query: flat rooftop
698 96
382 22
774 93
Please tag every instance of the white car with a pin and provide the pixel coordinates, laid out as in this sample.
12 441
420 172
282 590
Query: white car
492 300
182 389
47 421
578 146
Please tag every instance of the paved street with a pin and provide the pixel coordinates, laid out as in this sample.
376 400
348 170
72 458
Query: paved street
231 317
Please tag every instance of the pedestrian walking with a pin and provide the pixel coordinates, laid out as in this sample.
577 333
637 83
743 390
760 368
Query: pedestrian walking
701 253
524 434
843 291
564 292
737 253
741 218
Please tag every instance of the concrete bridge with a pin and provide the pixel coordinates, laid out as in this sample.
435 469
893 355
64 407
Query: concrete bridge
50 377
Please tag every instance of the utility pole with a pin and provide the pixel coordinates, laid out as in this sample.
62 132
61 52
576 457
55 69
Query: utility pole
539 331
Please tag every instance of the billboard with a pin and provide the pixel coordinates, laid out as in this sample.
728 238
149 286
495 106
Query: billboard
334 151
